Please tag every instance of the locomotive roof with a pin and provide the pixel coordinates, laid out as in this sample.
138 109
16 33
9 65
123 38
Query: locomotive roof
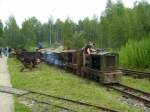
69 50
102 53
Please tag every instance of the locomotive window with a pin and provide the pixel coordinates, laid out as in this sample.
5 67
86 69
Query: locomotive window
69 57
95 62
110 61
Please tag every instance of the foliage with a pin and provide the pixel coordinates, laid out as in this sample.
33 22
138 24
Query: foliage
67 32
1 33
136 54
31 31
78 40
12 35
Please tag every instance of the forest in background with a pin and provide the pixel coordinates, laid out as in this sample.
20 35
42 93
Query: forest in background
117 28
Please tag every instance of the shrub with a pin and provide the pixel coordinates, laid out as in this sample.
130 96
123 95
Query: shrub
136 54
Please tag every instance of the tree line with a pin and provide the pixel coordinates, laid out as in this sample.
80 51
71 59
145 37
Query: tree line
113 29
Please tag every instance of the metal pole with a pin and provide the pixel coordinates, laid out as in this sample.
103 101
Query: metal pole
50 38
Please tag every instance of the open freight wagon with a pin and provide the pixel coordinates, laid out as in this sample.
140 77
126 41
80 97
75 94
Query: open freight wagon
72 60
53 58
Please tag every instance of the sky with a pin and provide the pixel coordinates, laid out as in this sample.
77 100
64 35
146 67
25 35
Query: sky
44 9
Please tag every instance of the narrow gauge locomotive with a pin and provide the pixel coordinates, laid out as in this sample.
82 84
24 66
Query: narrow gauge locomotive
102 66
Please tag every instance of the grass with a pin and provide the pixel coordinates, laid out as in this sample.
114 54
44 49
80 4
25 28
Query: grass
19 107
141 84
57 82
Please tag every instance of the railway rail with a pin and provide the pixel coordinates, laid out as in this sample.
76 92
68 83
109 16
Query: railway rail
136 94
34 96
136 74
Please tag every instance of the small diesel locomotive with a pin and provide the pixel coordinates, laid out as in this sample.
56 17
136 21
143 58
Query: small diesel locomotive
102 67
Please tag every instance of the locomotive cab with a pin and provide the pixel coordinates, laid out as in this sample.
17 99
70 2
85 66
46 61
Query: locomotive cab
104 61
107 63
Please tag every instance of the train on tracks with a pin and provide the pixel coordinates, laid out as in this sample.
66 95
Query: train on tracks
101 66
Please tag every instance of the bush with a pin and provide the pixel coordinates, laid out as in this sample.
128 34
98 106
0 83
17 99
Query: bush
136 54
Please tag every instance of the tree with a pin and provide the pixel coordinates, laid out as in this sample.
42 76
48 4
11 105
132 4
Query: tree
58 31
12 35
1 34
1 28
67 32
31 31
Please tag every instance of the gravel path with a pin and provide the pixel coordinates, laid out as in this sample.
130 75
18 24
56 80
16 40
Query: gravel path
6 100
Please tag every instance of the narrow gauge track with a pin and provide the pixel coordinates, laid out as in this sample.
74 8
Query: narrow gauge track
134 73
139 95
32 95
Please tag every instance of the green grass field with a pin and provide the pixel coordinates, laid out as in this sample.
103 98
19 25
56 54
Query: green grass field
57 82
141 84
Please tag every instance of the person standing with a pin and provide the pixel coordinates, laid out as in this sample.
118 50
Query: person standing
86 53
0 52
40 46
6 52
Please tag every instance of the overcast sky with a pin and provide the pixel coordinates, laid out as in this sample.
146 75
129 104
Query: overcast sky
43 9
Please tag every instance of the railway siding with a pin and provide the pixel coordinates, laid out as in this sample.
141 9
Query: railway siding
136 74
55 81
133 93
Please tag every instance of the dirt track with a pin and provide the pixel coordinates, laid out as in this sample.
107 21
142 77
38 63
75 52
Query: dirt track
6 100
